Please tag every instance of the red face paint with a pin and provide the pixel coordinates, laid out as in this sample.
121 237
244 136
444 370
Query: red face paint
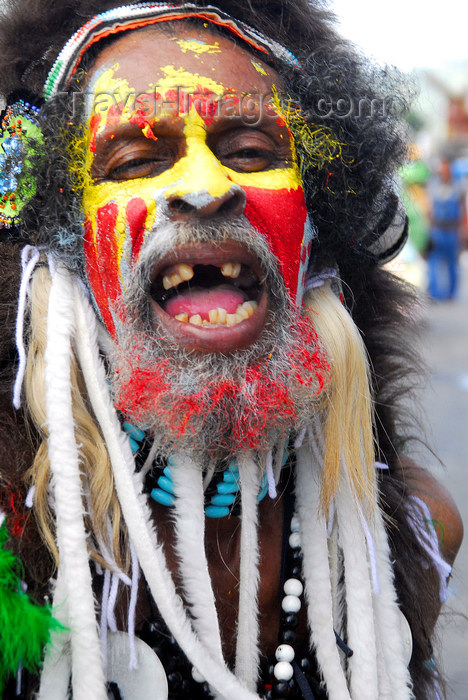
188 133
141 121
137 213
93 130
101 255
280 215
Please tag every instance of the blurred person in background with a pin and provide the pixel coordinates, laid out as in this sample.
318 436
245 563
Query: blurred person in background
447 214
411 263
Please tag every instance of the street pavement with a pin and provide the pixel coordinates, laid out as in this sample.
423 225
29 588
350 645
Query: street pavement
444 399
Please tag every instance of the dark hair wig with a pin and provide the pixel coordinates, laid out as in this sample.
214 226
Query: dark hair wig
337 90
361 106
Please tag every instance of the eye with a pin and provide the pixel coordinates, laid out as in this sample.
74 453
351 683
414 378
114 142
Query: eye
249 150
248 160
135 168
134 159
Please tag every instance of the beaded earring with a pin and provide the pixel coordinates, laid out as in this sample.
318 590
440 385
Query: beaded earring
19 132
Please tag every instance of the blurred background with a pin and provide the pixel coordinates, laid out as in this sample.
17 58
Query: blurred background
430 43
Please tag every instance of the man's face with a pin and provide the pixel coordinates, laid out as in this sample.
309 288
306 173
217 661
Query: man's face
196 242
182 129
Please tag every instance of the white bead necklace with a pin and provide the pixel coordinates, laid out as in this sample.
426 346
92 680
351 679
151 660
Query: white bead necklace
291 603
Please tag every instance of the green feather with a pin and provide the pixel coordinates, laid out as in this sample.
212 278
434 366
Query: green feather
25 626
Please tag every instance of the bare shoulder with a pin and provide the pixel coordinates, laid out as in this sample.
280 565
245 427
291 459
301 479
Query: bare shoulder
444 511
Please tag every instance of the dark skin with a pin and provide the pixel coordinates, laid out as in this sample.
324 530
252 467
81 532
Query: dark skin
129 155
223 547
222 541
443 510
241 144
126 154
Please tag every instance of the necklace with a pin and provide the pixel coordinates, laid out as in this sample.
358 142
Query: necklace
292 673
222 496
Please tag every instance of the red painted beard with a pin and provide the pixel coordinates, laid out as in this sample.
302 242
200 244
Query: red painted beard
254 408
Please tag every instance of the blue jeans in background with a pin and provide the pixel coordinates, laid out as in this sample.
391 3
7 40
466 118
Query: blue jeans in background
443 264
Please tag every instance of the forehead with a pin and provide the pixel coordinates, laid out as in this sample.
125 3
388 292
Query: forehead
146 56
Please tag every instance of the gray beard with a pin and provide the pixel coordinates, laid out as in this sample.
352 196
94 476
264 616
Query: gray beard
241 417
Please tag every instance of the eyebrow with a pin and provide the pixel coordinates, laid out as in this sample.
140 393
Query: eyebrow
169 127
129 132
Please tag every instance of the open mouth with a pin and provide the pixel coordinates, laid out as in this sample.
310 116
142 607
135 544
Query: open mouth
210 297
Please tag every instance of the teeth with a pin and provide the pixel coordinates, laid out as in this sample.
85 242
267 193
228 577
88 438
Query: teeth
170 281
167 281
182 273
231 269
222 313
243 313
185 271
250 307
220 317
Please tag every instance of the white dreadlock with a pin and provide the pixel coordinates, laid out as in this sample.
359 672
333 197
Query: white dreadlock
364 607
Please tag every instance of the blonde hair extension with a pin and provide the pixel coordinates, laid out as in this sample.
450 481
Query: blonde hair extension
95 464
347 404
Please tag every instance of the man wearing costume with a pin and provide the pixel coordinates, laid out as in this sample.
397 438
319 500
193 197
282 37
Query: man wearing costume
206 484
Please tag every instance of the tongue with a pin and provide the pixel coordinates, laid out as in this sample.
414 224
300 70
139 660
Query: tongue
201 301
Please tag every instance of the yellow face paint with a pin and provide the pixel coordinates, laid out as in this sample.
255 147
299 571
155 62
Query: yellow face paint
182 78
317 145
199 170
258 67
121 214
197 46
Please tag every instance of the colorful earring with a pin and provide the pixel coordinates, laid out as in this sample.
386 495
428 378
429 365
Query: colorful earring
19 130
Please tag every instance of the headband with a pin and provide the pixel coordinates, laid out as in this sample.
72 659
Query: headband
144 14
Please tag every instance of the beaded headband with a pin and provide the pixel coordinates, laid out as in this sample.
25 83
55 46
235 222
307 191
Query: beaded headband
143 14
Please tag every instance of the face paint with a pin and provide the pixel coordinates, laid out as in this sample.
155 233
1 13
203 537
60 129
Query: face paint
197 46
122 215
258 67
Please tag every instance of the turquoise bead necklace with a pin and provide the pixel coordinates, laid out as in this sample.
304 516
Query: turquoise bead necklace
221 496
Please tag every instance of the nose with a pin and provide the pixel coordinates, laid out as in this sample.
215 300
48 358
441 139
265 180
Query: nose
201 205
